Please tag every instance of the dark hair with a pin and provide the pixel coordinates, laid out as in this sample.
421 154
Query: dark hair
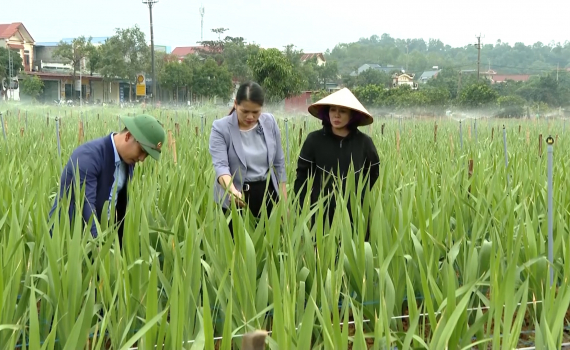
249 91
355 117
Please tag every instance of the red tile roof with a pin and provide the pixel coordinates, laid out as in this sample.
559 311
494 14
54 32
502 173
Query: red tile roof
499 78
183 51
309 56
3 28
8 30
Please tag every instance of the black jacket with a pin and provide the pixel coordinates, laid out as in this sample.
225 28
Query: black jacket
324 155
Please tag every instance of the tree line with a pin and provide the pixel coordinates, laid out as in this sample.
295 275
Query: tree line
209 73
453 90
418 55
219 63
280 72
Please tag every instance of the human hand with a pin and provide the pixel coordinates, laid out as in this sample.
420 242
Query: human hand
237 197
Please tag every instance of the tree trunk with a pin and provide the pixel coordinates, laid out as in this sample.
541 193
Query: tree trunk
73 77
91 89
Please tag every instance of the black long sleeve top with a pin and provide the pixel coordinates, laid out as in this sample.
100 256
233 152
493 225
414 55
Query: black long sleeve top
328 157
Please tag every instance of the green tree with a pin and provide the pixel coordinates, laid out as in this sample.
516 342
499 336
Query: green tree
418 56
235 56
511 106
403 98
320 95
328 73
17 65
275 72
211 80
215 48
175 76
294 56
508 88
546 89
436 99
32 86
5 67
310 70
369 95
94 60
160 61
452 80
478 95
111 63
125 55
74 53
231 51
369 77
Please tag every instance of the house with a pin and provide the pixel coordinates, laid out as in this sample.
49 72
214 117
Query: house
162 48
387 69
429 74
95 41
57 76
495 77
501 78
489 72
298 103
182 51
45 59
319 56
56 73
401 79
16 37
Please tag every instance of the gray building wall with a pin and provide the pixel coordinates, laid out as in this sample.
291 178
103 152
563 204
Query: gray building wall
46 54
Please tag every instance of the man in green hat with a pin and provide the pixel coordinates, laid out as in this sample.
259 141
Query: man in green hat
105 167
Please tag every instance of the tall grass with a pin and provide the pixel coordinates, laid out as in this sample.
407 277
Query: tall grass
462 258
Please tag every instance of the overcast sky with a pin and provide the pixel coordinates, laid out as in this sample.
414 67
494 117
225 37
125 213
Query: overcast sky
313 26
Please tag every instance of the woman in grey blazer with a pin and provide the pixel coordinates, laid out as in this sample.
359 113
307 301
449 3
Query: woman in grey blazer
246 149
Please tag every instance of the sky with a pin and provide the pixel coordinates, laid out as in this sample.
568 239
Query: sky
313 26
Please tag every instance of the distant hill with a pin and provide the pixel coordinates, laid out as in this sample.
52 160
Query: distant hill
417 55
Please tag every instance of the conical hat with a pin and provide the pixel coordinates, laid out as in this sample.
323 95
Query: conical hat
343 98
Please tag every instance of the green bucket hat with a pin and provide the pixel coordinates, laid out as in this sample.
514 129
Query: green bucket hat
148 131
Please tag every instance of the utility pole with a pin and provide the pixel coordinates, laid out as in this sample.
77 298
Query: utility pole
202 23
459 83
80 84
10 74
150 3
407 55
478 56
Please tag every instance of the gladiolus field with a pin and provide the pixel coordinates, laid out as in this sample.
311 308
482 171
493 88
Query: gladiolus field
458 256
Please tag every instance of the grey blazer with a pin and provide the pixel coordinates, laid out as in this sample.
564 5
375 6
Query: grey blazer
228 156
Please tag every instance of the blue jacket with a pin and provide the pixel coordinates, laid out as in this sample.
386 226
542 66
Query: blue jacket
94 162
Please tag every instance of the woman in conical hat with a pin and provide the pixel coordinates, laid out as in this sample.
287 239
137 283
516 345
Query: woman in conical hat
328 153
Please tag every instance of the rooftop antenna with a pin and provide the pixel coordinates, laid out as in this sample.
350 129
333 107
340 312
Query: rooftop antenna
202 23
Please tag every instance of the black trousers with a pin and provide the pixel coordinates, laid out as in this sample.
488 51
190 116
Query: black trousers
328 217
253 193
